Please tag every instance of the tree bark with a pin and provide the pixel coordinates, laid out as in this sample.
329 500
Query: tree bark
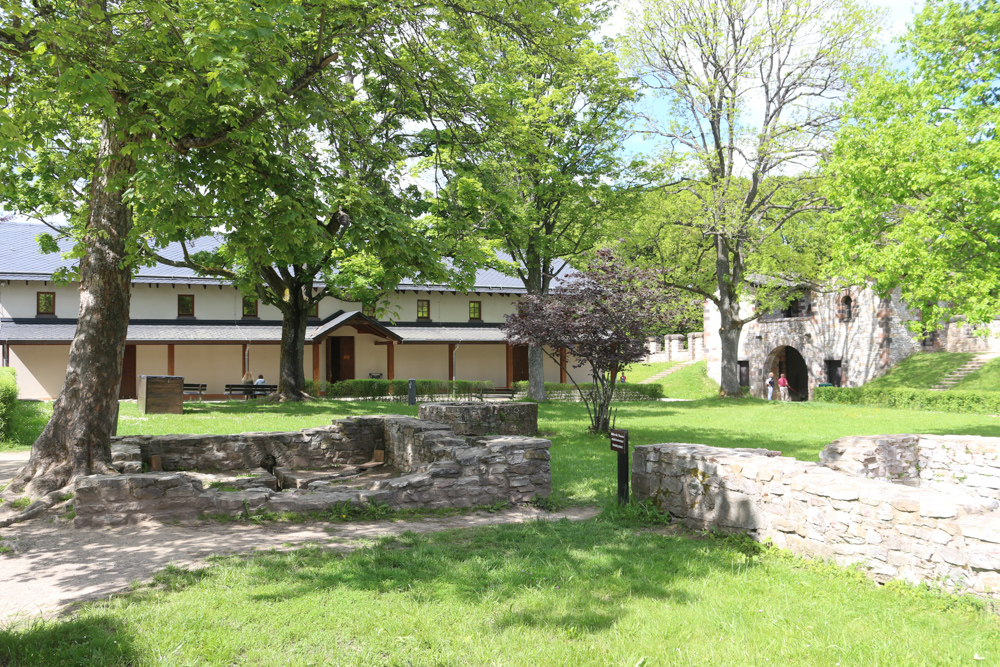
76 441
730 324
536 284
291 377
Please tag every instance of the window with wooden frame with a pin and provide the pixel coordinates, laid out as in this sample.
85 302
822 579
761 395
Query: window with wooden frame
314 311
45 304
368 309
475 310
185 305
249 308
423 309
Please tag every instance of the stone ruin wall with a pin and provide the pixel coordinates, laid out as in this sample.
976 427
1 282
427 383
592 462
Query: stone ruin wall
441 469
910 507
673 348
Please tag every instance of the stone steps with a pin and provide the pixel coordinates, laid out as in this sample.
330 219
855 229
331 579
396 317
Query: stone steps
662 374
960 373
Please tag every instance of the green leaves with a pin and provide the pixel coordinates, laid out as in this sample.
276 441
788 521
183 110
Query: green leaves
915 170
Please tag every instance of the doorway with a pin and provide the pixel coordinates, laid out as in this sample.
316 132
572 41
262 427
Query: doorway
520 356
127 388
339 358
786 359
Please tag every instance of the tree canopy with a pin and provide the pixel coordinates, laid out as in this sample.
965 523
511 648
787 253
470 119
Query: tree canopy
746 95
914 169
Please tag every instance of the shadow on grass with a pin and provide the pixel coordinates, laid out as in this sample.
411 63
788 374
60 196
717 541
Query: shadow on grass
570 575
94 640
316 407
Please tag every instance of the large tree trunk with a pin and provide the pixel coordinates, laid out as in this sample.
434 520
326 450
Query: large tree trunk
536 284
76 441
291 379
731 325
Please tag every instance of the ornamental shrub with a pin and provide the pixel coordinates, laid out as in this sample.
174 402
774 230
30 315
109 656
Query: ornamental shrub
967 402
557 391
8 401
398 390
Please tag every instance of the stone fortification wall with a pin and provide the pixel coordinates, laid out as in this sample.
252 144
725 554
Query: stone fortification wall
949 536
441 469
969 463
677 347
484 418
957 336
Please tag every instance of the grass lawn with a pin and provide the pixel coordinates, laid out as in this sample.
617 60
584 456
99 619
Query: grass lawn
986 378
609 591
922 370
639 372
583 467
603 592
690 382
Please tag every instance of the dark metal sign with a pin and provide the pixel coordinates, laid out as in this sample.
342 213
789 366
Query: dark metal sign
619 443
619 440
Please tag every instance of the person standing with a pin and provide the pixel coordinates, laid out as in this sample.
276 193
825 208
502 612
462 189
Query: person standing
770 386
783 387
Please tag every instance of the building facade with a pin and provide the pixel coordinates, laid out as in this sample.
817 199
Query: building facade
205 330
842 337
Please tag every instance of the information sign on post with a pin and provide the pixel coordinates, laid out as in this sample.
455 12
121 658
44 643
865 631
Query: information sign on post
619 443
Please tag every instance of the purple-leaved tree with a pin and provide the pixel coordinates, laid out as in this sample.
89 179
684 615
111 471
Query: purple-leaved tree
602 316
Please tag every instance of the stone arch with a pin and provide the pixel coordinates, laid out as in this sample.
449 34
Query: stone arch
787 359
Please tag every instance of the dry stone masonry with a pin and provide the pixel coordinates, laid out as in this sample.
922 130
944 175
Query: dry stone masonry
910 507
439 468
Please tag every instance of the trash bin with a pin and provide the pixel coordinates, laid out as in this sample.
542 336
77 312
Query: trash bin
161 394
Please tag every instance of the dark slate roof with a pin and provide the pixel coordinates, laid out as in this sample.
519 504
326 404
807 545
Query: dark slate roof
481 334
21 259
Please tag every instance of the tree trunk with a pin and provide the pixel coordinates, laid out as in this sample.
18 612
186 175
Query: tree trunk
76 441
536 284
291 378
731 325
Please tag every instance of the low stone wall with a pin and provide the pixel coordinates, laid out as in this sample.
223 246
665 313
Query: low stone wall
940 462
346 441
951 538
484 418
442 469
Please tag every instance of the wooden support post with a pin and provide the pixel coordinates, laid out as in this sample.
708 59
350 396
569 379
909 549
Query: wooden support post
390 360
451 361
170 359
562 365
316 363
243 360
510 366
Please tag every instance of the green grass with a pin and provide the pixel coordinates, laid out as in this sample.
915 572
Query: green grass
601 592
639 372
922 370
690 382
29 419
583 467
986 378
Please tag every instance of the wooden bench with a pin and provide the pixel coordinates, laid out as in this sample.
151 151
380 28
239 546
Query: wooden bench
509 393
250 390
195 388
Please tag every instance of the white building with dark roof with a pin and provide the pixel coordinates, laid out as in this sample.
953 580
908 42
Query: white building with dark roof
201 328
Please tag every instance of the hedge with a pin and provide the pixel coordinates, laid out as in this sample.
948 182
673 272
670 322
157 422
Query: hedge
398 390
556 391
969 402
8 401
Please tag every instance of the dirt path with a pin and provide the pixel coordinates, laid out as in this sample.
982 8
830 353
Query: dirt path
54 565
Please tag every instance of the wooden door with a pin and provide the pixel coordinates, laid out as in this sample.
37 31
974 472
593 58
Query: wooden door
346 357
340 358
127 388
520 363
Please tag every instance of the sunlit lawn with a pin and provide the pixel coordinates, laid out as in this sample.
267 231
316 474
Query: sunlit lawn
608 591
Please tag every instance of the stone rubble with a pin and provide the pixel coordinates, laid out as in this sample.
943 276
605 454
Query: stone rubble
440 469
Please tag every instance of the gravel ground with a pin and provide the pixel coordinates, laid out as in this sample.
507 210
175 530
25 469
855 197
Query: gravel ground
54 565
